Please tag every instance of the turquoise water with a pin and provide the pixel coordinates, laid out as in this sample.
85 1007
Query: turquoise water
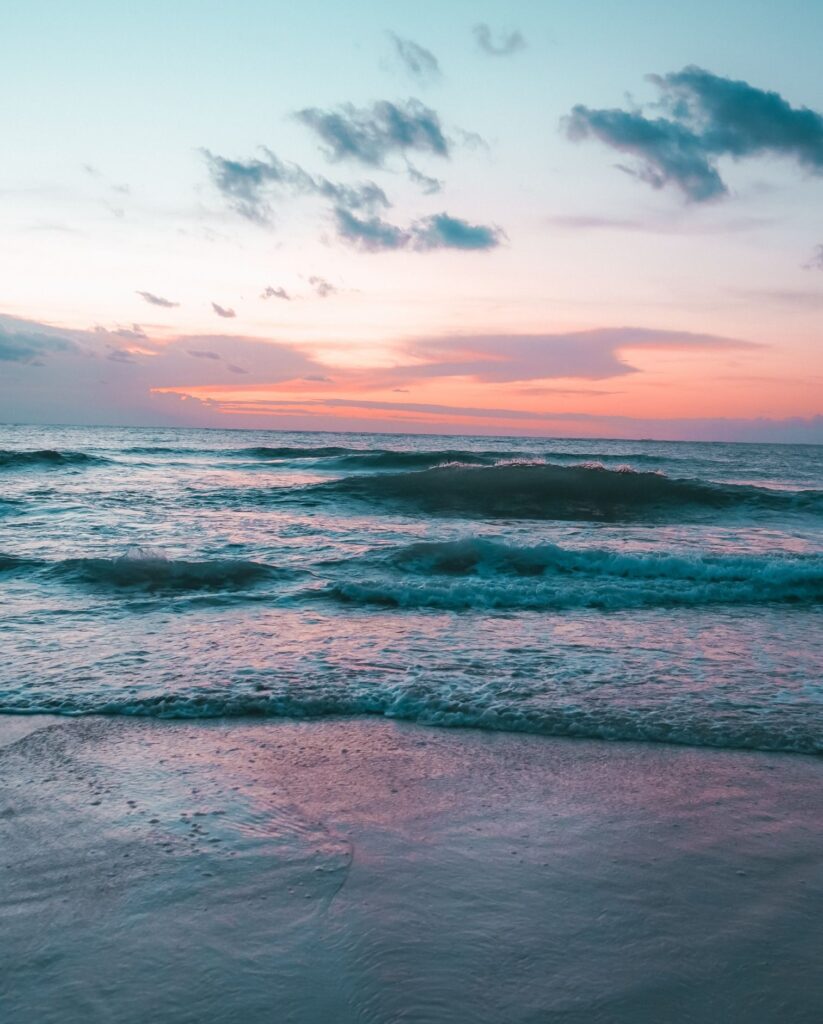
613 589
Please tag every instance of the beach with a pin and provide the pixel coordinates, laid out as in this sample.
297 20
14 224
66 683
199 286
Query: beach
366 870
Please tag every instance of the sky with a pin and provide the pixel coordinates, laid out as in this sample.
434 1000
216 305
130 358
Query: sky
541 218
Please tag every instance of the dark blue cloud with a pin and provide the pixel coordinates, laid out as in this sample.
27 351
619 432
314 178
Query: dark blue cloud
371 234
444 232
249 185
505 44
669 153
708 117
369 135
416 59
737 119
440 231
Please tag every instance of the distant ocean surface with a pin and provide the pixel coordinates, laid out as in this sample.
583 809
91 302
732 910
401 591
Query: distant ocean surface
626 590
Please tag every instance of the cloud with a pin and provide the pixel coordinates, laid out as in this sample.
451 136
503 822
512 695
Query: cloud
372 234
67 376
28 345
249 185
133 333
417 60
440 231
427 184
227 314
369 135
590 355
669 153
275 293
816 259
157 300
708 117
322 287
738 119
244 183
64 376
504 45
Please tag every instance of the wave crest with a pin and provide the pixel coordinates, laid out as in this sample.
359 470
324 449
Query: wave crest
149 571
547 491
45 458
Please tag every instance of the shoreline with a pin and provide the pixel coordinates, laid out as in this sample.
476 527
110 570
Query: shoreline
370 870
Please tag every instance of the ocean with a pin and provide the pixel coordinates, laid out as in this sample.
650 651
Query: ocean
619 590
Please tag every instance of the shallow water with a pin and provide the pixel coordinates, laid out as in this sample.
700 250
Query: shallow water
612 589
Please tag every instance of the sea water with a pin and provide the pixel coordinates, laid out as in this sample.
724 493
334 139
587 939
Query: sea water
623 590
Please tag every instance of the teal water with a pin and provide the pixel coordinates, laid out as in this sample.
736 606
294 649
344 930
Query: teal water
614 589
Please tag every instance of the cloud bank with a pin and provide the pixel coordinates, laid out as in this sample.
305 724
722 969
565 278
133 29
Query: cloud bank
54 375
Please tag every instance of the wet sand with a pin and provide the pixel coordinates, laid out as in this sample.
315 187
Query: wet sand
371 871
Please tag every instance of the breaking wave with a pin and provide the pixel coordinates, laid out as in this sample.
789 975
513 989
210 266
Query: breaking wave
46 458
487 575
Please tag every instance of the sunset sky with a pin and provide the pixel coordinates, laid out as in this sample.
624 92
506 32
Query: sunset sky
567 218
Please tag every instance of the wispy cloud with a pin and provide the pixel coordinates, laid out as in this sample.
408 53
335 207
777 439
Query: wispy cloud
157 300
439 231
369 135
275 293
673 222
223 311
706 117
249 185
815 261
419 62
502 44
425 182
